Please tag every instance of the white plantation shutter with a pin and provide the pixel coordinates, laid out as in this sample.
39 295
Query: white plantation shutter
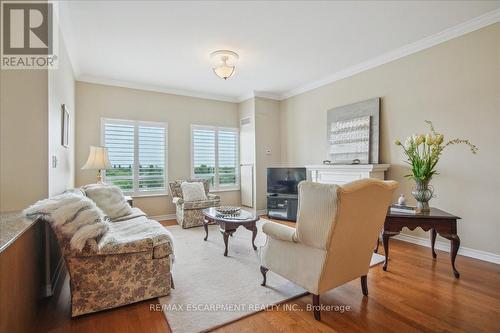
119 139
138 153
152 148
228 157
203 151
215 155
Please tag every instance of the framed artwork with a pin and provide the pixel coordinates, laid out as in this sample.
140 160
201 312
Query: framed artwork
350 140
353 133
64 126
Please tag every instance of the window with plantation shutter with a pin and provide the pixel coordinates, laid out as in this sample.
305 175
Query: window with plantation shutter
119 139
138 153
203 147
228 157
215 156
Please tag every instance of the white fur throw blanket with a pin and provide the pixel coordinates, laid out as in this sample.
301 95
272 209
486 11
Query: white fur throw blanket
75 216
135 229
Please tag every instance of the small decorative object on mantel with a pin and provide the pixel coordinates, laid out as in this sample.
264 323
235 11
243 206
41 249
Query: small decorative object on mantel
423 153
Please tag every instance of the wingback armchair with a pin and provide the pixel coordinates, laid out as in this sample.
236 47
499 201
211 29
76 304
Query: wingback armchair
332 243
189 213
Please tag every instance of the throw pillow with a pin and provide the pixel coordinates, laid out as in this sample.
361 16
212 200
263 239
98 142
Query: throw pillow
193 191
109 198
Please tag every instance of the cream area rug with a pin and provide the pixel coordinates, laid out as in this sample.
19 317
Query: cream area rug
212 290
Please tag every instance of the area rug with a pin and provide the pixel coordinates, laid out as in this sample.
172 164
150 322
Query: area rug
212 290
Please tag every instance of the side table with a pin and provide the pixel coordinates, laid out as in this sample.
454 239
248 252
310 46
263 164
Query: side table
436 220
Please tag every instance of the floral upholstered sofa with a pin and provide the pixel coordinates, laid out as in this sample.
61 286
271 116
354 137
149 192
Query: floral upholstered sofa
129 262
189 213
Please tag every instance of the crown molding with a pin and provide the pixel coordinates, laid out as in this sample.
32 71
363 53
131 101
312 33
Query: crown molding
154 88
261 94
244 97
425 43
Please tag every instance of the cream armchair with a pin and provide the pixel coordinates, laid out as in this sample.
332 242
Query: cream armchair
333 240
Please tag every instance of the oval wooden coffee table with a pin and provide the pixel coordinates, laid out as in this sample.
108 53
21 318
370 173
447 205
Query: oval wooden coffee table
229 224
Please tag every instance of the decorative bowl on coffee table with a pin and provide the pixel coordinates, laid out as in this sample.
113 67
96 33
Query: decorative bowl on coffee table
228 210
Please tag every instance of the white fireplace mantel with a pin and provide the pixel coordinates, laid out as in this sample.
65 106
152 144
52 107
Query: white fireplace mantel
344 173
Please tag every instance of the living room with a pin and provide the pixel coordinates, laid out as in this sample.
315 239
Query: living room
148 133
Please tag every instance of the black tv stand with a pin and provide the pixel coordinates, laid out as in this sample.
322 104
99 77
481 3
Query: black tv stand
282 206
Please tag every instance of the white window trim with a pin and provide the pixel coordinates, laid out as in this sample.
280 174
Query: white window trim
136 124
217 187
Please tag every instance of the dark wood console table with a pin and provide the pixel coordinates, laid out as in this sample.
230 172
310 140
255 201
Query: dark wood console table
437 221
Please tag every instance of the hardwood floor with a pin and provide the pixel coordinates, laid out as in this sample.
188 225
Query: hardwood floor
416 294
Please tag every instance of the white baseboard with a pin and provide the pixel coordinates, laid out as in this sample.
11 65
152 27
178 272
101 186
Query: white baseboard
163 217
262 212
445 246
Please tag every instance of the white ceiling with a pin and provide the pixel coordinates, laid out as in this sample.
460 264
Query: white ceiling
284 47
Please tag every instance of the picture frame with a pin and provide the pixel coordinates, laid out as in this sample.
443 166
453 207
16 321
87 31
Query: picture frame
64 126
347 113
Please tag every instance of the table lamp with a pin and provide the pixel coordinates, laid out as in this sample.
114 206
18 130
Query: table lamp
98 160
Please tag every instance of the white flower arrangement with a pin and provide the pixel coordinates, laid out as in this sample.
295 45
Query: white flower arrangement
423 152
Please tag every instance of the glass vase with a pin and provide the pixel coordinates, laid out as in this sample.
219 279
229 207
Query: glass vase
422 192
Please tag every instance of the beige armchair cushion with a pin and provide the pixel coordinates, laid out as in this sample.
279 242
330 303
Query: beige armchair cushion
280 232
296 262
317 203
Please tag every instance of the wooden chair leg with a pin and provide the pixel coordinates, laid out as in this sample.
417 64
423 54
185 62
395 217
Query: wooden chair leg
263 270
316 307
364 285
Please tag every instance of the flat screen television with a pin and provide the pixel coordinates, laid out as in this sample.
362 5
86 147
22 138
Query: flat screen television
284 180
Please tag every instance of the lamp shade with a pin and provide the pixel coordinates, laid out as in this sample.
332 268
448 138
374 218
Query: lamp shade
98 159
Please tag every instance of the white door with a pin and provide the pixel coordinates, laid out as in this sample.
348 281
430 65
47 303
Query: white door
246 185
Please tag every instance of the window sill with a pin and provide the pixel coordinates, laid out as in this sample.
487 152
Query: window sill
147 195
229 189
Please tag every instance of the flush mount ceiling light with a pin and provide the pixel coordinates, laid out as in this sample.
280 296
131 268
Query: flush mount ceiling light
224 63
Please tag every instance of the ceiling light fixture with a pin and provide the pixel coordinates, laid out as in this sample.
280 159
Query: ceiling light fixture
224 63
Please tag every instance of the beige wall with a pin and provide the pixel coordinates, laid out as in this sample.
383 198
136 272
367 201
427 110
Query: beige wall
455 85
61 91
23 138
267 137
31 132
94 101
